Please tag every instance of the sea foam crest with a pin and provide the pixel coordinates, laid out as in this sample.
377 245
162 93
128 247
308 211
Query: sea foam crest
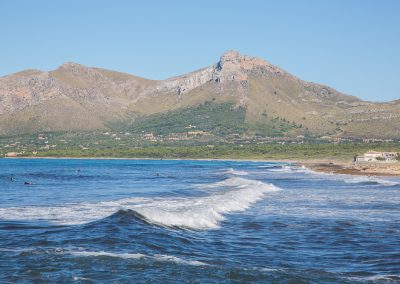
236 172
198 213
358 179
350 179
367 179
156 257
206 212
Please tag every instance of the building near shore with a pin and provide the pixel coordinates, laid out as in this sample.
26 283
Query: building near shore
12 154
373 156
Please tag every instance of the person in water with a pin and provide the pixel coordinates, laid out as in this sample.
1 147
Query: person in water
27 183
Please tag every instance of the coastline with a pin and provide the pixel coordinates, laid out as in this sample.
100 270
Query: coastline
351 168
317 165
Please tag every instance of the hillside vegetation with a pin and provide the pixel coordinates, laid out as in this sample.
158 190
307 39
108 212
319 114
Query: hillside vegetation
344 152
218 119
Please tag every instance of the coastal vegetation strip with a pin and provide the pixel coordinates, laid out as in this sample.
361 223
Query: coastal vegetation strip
343 152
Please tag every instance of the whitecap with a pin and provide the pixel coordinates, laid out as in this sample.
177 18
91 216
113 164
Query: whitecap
350 179
156 257
206 212
367 179
198 213
358 179
386 278
236 172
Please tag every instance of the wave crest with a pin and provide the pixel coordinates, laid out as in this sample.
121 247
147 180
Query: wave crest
206 212
236 172
198 213
156 257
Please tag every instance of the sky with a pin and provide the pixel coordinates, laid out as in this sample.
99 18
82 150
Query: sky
350 45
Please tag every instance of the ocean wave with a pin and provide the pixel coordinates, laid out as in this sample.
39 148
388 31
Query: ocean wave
206 212
371 180
198 213
268 166
236 172
156 257
354 179
384 278
85 253
287 169
282 168
349 179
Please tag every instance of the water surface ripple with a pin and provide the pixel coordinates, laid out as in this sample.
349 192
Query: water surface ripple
168 221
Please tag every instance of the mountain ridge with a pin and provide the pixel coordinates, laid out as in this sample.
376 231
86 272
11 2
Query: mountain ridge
75 97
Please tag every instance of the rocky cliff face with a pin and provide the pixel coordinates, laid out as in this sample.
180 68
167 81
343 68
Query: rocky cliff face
232 67
26 89
97 97
183 84
236 67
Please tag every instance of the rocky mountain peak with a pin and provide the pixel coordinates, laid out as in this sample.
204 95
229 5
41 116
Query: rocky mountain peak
78 75
232 57
234 66
72 67
69 65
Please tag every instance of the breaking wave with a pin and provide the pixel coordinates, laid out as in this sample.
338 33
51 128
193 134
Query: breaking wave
198 213
156 257
86 253
359 179
349 179
371 180
236 172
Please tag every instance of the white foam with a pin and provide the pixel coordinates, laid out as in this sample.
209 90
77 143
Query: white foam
236 172
77 278
287 169
156 257
351 179
386 278
284 168
355 179
68 214
199 213
110 254
206 212
364 179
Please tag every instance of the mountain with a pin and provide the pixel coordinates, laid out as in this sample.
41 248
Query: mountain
239 94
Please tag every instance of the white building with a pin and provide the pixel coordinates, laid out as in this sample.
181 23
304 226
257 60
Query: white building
373 156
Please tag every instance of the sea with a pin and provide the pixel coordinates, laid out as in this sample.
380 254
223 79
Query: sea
192 221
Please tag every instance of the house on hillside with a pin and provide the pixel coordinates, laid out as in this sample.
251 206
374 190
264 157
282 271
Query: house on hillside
373 156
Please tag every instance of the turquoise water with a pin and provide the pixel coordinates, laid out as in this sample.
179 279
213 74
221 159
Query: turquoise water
141 221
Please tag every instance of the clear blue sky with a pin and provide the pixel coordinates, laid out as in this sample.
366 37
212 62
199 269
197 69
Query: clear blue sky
350 45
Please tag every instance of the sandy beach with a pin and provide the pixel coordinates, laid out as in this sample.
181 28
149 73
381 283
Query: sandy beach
351 168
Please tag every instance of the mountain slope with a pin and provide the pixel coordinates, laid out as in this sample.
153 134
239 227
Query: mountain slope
79 98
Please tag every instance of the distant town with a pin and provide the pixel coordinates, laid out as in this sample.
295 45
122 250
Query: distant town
42 143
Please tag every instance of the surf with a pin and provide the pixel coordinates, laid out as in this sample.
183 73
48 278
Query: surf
349 179
138 256
234 194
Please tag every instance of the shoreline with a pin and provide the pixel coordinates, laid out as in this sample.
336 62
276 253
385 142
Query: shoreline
351 168
317 165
